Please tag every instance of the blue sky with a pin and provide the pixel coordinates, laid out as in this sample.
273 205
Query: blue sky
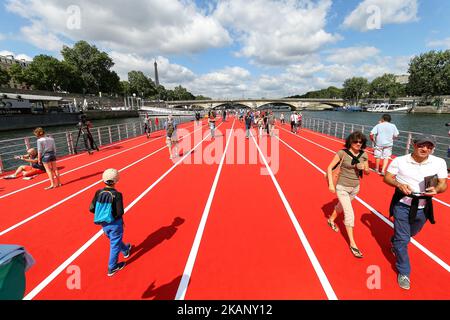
235 48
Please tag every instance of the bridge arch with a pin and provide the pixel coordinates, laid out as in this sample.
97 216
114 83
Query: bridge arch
278 106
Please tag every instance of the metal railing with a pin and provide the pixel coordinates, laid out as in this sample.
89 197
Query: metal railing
66 141
402 145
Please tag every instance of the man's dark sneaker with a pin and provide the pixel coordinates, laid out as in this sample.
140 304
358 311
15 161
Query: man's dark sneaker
403 281
128 252
118 267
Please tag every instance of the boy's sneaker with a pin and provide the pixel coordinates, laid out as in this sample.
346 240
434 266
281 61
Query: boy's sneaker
128 252
403 281
118 267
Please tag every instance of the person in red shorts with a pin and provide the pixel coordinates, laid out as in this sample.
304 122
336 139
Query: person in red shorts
31 170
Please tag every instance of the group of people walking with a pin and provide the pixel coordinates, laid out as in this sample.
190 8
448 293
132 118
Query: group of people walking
264 121
416 177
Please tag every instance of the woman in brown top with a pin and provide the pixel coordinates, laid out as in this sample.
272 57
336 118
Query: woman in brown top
354 162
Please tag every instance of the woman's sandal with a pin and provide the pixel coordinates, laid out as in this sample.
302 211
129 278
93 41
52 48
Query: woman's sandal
49 188
333 226
356 252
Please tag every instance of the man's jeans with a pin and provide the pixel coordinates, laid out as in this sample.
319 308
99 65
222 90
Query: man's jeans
114 231
403 231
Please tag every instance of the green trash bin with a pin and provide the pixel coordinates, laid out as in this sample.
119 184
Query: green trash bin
12 279
14 263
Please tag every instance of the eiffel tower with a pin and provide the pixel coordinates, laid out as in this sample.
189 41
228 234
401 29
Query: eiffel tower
156 75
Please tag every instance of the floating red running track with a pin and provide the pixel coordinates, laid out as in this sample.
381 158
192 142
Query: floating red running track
232 228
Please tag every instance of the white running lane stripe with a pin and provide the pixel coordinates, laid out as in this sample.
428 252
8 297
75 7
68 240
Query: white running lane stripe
187 273
378 214
84 166
326 285
17 225
72 258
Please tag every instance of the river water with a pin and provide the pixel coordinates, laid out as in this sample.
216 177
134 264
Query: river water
425 123
11 134
433 124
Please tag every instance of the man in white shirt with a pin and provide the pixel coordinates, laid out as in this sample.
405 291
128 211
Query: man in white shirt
293 124
383 134
417 177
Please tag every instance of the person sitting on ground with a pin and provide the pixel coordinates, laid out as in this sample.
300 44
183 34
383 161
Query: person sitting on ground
28 171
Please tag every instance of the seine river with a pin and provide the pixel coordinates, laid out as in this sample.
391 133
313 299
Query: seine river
424 123
11 134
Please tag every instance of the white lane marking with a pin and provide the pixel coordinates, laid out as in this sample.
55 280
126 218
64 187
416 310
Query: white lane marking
309 251
78 168
182 288
77 193
378 214
33 293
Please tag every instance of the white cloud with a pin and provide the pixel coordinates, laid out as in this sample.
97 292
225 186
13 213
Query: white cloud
37 35
352 54
2 37
170 74
390 12
277 32
444 43
224 83
16 56
142 26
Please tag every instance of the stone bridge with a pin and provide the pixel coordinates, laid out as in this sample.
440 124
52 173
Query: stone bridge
294 104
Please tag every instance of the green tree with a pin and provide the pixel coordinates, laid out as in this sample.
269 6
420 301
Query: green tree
355 89
385 87
200 97
48 73
4 77
124 88
140 84
181 93
430 74
328 93
17 73
161 93
93 67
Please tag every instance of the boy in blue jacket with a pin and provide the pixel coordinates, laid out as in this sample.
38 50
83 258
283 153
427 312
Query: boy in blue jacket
107 207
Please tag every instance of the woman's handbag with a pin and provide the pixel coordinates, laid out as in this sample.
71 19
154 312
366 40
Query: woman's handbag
335 173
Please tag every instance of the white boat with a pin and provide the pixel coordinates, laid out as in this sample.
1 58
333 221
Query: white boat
389 107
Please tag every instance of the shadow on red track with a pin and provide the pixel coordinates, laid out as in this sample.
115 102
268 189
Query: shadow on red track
165 292
327 211
84 177
382 233
154 239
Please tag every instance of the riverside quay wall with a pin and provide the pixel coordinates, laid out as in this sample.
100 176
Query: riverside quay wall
27 121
